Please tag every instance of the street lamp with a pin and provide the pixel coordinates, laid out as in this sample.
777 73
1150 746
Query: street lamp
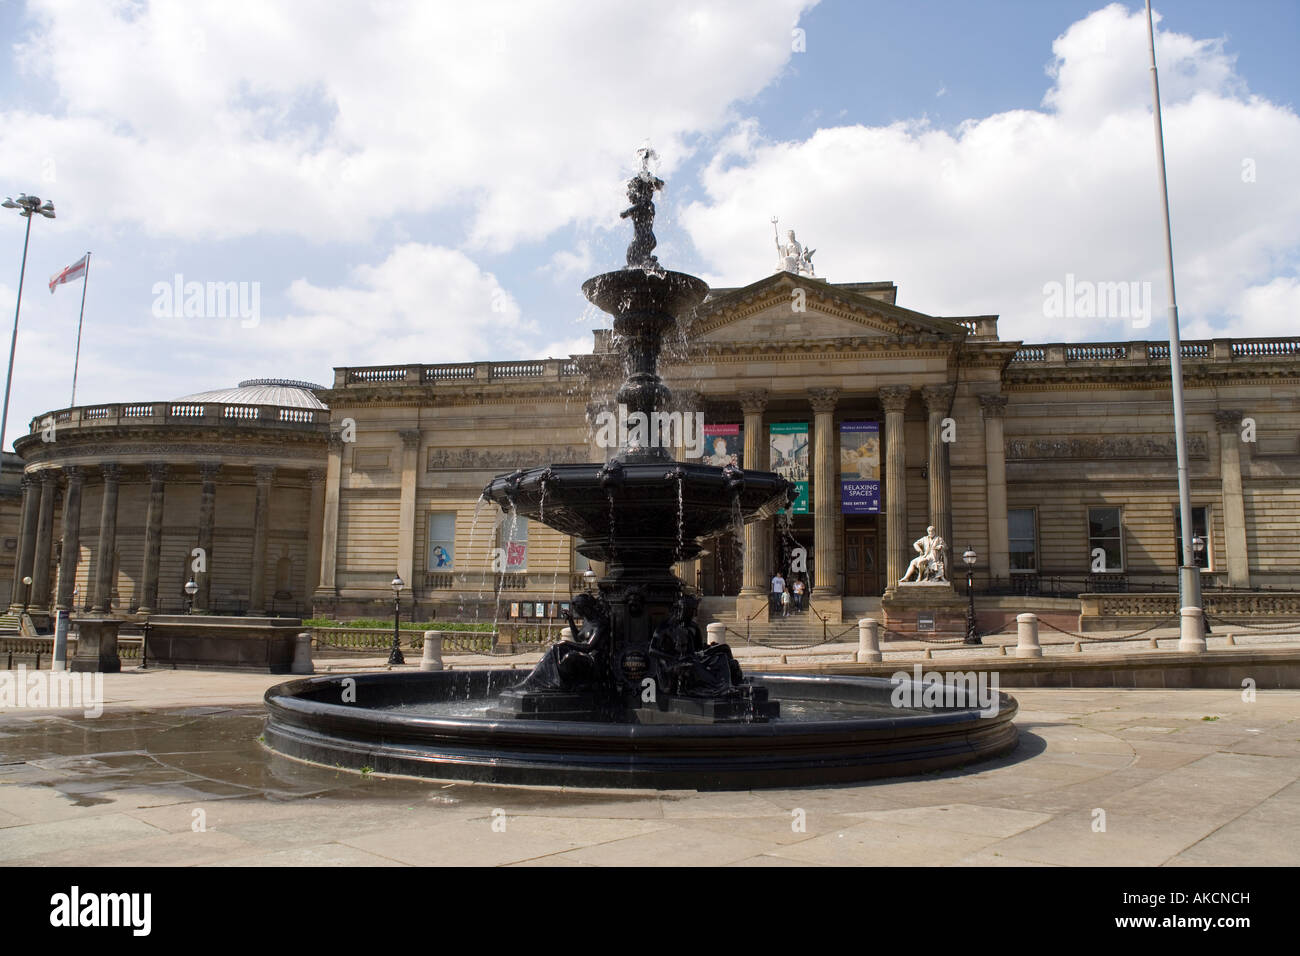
191 589
27 594
1198 546
972 634
395 657
589 581
28 205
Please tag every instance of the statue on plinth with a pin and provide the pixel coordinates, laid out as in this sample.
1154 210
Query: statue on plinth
930 566
792 256
581 661
684 664
640 192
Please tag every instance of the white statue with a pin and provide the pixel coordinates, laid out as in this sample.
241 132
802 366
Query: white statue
791 256
931 562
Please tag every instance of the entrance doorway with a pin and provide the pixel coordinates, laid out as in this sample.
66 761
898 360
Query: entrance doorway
724 568
861 567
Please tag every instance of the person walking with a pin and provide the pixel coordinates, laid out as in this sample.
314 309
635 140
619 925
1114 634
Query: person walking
779 594
799 588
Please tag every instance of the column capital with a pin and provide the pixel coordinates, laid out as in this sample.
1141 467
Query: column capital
335 442
1228 419
823 399
263 474
993 406
157 471
753 401
410 437
316 475
111 471
894 397
74 473
208 470
937 398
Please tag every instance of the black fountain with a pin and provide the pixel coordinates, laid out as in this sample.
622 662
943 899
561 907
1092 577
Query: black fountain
635 698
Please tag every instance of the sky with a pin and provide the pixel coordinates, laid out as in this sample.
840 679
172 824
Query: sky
390 182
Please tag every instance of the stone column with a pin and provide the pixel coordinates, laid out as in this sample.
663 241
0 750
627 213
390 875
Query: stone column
893 398
937 400
263 475
406 510
153 523
1234 504
103 593
994 409
329 545
208 472
26 543
315 522
826 499
71 537
40 596
758 534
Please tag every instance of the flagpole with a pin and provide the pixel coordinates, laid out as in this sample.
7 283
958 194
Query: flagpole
1192 633
85 280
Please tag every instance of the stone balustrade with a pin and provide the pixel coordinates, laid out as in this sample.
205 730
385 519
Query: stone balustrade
1143 353
180 413
545 370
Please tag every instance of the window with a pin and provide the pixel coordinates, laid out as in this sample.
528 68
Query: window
441 553
580 562
1022 535
512 541
1200 529
1105 540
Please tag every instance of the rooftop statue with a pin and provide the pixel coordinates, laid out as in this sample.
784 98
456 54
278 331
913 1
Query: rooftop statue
791 255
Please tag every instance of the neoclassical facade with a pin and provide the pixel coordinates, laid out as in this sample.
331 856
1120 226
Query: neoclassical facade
122 504
1054 463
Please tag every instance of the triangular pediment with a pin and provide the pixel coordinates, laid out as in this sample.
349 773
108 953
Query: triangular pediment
787 307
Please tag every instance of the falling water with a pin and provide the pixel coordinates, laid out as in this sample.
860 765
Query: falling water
737 539
501 582
681 529
464 574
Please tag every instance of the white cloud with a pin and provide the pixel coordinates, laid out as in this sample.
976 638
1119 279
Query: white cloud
230 119
979 219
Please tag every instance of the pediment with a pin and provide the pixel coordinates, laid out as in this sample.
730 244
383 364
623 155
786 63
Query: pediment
792 308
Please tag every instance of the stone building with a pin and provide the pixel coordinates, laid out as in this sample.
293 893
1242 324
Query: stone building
1054 463
117 498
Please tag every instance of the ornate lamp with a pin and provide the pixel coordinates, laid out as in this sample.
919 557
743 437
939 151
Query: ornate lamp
395 656
191 589
972 633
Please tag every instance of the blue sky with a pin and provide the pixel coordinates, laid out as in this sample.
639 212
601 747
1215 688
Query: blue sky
432 183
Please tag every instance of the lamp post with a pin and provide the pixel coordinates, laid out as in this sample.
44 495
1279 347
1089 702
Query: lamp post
972 634
1198 548
191 589
27 592
28 205
589 581
395 657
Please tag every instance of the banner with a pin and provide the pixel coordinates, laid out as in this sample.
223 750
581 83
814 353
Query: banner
723 446
789 451
860 468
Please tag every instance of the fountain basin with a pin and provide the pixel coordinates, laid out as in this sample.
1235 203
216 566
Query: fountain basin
832 730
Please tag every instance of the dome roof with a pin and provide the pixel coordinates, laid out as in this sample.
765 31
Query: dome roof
263 391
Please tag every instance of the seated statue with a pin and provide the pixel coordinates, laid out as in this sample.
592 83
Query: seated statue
581 663
683 663
930 563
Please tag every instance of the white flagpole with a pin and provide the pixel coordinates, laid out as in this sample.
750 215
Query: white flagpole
1192 637
85 280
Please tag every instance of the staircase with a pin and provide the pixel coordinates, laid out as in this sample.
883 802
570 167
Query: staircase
9 624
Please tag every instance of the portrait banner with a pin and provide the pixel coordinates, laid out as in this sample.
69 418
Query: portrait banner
789 451
860 468
723 446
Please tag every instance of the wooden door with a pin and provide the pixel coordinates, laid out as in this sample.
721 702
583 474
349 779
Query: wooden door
861 573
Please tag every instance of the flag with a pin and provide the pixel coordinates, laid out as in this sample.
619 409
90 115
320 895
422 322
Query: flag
74 271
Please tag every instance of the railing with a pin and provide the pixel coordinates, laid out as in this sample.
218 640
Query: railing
1218 350
517 370
448 373
459 372
439 580
387 373
1216 604
189 413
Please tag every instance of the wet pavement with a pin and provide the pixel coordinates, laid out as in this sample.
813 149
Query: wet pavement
173 773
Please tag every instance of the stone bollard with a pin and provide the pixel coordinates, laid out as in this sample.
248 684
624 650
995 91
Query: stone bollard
302 655
717 632
1027 636
1232 640
432 659
566 634
1155 645
869 641
1078 647
1191 635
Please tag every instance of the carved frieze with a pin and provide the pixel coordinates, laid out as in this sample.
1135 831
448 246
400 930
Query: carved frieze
1102 447
480 459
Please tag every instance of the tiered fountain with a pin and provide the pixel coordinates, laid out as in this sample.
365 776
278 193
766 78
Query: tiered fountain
635 697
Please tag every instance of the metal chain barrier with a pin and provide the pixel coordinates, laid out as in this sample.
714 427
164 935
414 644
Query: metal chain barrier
1224 622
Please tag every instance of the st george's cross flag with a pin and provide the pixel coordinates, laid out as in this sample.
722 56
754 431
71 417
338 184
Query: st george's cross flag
74 271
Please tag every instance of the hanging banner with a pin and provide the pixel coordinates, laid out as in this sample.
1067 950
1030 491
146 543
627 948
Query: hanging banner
723 446
860 468
789 458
